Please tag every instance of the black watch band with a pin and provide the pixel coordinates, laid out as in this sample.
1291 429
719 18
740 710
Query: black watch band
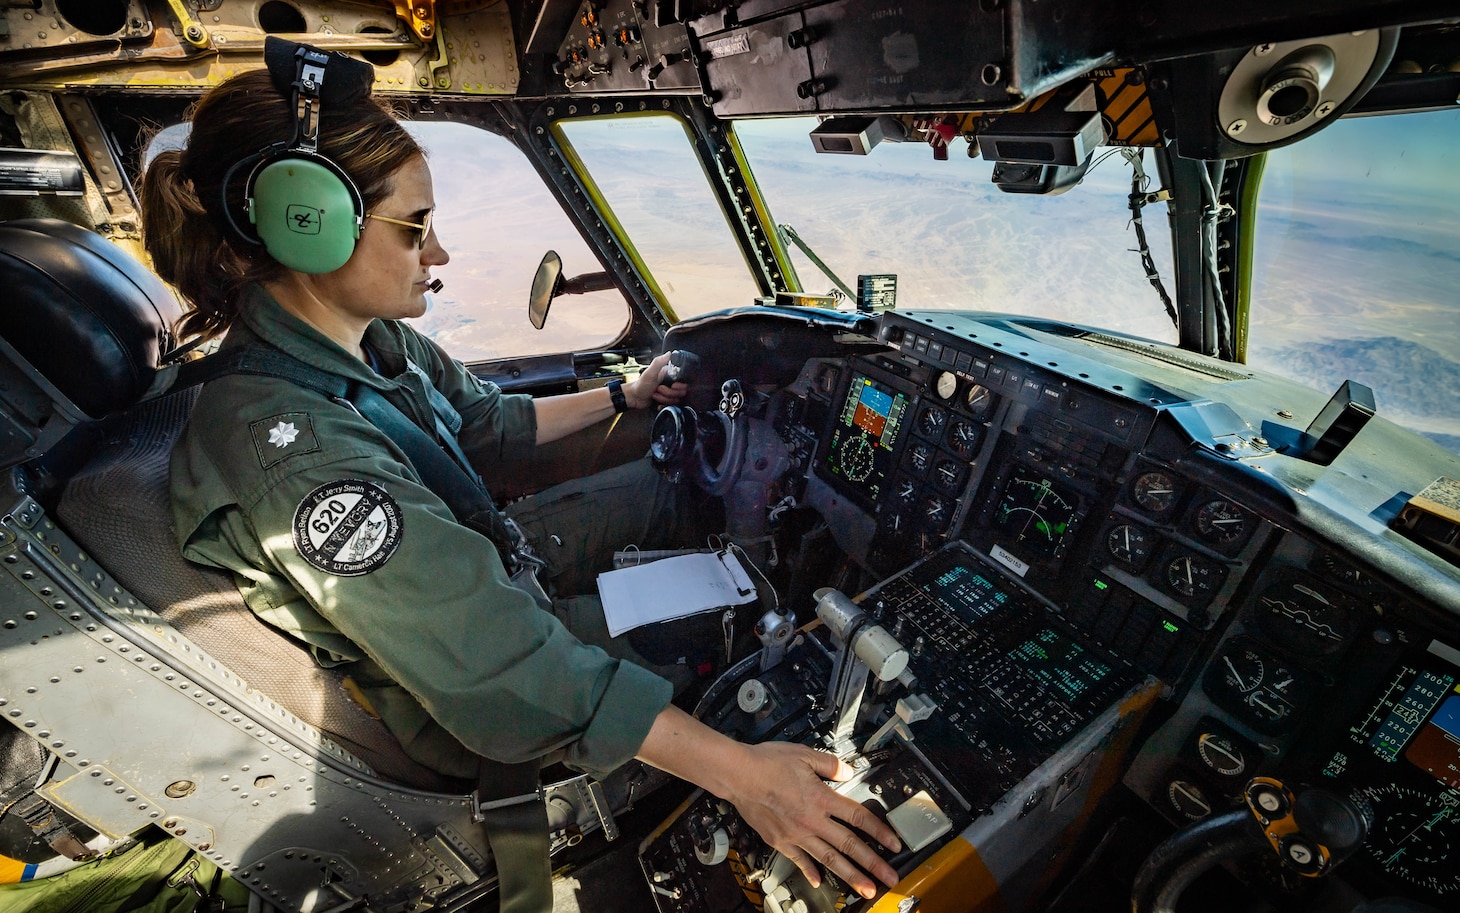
616 393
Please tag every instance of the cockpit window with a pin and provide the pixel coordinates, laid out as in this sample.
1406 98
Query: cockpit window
646 170
1357 263
496 218
954 240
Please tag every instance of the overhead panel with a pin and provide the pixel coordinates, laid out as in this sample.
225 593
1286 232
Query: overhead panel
468 49
868 55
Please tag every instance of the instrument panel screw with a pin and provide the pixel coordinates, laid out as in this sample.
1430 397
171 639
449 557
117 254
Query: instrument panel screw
1324 109
1236 127
1262 50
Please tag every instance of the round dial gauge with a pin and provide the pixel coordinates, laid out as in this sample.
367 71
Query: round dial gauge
1222 522
1188 799
937 511
1301 617
906 491
920 457
896 523
979 400
948 475
1415 835
946 385
1193 576
1258 687
858 457
1345 573
1155 491
1221 754
931 422
963 438
1129 544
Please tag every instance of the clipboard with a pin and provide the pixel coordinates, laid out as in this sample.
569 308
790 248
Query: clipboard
673 588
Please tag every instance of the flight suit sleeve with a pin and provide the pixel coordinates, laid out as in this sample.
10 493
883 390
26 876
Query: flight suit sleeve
495 426
380 557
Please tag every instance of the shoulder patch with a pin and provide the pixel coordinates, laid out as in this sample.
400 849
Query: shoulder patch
347 528
279 437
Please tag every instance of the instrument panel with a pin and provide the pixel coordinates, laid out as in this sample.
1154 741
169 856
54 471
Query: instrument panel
1138 499
1158 551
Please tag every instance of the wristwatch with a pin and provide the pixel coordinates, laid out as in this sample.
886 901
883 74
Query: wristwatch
616 393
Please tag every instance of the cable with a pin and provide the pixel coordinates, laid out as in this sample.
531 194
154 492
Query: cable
1211 214
1138 199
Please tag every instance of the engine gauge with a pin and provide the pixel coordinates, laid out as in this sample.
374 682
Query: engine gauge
937 512
931 422
979 400
896 523
963 438
1156 491
1222 522
1193 577
1299 616
949 475
906 491
946 385
1415 835
920 457
1129 544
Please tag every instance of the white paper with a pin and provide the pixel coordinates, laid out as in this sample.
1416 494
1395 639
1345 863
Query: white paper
672 588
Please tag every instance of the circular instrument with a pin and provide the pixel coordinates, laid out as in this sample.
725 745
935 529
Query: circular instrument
931 422
1220 754
1222 522
1415 835
1155 491
1129 544
963 438
858 457
946 385
1193 576
979 400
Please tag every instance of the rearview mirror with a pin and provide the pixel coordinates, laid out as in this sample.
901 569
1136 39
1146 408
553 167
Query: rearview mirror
544 288
549 284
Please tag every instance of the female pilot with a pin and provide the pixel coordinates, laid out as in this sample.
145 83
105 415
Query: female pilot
268 473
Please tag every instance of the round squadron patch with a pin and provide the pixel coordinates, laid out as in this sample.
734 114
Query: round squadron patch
347 528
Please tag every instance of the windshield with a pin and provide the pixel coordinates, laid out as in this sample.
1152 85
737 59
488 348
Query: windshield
1356 269
953 239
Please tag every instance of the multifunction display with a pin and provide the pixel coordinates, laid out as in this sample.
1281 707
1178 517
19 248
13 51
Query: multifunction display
860 452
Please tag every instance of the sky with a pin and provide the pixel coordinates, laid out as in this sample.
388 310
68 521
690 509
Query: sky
1356 265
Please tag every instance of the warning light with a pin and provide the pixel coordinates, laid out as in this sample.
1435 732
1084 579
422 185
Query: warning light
1101 585
1170 627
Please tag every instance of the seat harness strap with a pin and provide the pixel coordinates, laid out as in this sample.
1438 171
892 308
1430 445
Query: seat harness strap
508 800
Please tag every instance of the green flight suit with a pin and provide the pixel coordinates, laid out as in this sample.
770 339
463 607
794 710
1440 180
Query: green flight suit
333 538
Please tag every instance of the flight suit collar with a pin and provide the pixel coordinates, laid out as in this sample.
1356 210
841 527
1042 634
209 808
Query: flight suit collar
267 321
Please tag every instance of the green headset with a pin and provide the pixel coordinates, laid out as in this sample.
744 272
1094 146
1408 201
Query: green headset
303 208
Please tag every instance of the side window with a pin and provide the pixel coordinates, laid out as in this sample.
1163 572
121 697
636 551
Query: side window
646 170
496 218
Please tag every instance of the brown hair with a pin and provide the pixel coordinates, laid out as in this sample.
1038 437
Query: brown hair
185 227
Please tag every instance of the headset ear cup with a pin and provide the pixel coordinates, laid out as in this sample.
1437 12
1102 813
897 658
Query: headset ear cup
306 213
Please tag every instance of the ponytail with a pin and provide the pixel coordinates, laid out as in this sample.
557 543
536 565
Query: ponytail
189 251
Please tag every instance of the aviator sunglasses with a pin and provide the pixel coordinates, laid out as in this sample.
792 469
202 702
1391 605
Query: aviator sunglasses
422 228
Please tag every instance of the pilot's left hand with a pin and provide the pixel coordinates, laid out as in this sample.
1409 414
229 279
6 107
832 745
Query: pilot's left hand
650 387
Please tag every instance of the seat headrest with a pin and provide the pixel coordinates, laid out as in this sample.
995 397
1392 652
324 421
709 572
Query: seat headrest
88 316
